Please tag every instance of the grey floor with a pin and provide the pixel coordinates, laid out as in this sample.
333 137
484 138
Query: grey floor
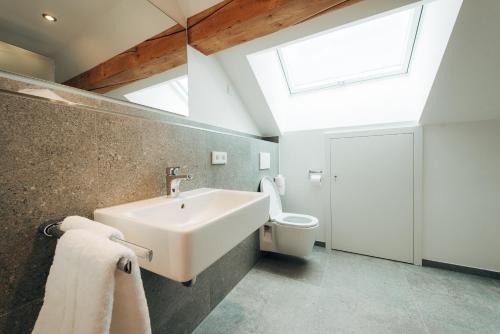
336 292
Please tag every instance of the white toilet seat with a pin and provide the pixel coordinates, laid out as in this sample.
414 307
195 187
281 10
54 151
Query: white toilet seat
285 232
296 220
276 213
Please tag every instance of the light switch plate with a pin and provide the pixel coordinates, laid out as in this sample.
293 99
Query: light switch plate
265 160
219 158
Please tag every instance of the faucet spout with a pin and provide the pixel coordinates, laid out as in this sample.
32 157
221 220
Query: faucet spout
174 181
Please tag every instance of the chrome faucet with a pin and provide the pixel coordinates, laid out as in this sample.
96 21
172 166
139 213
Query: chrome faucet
174 181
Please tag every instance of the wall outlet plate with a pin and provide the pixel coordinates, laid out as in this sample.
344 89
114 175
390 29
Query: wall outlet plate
219 158
265 160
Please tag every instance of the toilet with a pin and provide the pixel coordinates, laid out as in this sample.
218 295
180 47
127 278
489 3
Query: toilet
286 233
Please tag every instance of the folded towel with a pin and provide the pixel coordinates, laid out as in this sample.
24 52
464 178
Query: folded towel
86 294
77 222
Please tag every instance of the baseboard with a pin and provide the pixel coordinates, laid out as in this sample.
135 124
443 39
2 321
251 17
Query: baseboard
320 244
461 269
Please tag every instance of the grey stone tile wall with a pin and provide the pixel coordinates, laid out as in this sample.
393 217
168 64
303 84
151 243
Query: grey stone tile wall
26 86
58 160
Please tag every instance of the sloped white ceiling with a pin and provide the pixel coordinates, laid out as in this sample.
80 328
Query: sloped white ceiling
236 65
172 9
180 10
192 7
394 99
467 85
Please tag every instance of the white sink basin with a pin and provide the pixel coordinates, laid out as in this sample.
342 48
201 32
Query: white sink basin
188 233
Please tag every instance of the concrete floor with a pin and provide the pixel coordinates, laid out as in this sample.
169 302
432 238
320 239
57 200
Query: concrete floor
336 292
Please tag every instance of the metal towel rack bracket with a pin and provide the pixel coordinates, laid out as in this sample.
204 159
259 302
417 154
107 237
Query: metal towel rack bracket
53 230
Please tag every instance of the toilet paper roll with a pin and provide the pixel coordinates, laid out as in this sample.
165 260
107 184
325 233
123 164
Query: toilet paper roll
315 179
280 184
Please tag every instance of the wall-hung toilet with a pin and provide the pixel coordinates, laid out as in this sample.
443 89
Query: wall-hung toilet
286 233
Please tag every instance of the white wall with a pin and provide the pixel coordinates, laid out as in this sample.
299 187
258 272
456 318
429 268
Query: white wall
212 97
461 189
466 85
21 61
461 160
462 194
299 152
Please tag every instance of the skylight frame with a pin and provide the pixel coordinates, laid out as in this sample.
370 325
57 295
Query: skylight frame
404 69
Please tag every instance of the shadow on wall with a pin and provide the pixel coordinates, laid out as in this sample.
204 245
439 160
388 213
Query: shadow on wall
22 318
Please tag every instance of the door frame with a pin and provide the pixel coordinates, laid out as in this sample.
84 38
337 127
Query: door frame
413 129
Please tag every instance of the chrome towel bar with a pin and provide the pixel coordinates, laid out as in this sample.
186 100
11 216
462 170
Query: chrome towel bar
53 230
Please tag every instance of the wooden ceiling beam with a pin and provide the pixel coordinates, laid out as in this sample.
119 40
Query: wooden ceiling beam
232 22
224 25
158 54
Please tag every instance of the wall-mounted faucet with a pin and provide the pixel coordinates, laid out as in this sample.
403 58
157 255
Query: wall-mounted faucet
174 181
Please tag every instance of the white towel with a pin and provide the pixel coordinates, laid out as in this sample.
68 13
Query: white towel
85 293
77 222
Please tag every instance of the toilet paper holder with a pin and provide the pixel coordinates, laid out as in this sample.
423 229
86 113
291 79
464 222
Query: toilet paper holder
315 177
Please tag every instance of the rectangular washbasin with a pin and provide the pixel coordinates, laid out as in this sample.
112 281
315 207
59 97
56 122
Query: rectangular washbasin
188 233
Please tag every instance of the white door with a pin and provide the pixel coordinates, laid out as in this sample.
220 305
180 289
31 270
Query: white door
372 195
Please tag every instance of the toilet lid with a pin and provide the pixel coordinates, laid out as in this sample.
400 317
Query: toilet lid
268 186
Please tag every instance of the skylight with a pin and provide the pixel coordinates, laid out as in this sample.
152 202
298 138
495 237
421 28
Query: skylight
171 95
372 49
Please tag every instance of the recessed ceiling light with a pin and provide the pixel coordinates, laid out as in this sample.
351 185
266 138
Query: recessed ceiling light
49 17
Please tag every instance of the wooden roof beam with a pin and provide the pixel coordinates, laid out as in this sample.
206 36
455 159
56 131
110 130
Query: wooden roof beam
158 54
232 22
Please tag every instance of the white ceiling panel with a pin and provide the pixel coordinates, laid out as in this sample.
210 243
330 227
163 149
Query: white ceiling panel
86 32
